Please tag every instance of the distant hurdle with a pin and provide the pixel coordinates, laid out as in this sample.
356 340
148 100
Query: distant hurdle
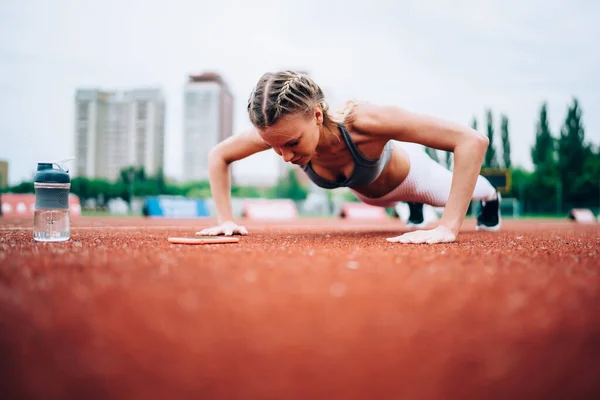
362 211
270 209
583 216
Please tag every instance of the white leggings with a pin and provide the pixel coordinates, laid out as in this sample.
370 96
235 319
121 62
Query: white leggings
427 182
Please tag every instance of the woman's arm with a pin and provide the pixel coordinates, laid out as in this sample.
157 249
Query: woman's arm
220 157
468 146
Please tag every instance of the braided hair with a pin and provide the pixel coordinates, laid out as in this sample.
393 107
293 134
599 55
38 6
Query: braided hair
284 93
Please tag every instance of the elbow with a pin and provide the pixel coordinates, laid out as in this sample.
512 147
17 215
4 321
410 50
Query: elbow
476 142
481 142
215 157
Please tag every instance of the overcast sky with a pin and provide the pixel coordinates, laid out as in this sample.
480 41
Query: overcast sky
452 59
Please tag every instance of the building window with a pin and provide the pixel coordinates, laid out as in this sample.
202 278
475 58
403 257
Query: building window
82 110
142 107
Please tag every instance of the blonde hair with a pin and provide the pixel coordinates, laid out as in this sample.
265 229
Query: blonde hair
346 114
280 94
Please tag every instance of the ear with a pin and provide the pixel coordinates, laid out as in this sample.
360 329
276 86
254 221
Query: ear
319 117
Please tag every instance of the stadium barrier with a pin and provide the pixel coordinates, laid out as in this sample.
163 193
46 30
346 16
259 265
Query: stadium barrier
14 205
175 207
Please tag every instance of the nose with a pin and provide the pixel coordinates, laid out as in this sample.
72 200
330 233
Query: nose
287 155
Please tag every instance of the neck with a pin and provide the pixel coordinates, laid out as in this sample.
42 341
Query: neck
330 136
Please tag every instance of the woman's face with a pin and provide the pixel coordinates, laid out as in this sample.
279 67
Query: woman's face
295 137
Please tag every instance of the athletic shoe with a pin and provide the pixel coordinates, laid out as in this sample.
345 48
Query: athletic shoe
416 219
489 218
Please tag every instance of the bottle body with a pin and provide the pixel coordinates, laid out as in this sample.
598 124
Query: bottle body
51 221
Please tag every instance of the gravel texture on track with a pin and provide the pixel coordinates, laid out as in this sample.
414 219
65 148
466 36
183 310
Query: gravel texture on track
315 308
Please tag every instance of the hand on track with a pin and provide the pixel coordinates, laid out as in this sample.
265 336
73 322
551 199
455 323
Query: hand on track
228 228
441 234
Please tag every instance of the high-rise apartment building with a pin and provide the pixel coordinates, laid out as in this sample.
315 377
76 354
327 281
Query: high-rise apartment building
208 120
118 129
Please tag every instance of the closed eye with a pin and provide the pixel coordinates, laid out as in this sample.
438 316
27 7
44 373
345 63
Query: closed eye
293 143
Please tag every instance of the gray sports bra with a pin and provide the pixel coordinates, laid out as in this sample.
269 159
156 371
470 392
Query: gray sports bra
366 170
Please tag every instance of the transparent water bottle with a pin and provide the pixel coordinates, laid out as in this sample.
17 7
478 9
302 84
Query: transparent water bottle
51 221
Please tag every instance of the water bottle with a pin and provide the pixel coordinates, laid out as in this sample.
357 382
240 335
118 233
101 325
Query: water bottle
51 215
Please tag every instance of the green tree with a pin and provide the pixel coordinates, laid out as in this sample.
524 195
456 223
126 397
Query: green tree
572 154
248 192
290 187
505 141
23 187
126 175
522 188
197 189
432 153
543 152
199 193
98 189
542 190
348 195
80 186
161 184
173 190
449 159
103 190
592 177
490 160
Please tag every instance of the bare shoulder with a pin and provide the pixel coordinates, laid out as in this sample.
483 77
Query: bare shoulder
374 119
393 122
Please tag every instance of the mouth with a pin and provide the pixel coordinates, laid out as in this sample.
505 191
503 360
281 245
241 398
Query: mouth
298 161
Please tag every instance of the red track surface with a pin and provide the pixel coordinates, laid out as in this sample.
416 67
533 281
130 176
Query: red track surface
311 309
